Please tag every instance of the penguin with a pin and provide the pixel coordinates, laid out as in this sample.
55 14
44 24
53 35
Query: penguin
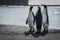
30 21
45 21
38 20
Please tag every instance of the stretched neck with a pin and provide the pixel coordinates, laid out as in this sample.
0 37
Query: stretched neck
30 11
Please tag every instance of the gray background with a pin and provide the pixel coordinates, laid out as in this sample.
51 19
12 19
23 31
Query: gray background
16 15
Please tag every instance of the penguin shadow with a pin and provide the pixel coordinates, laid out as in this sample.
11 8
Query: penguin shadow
33 34
28 33
49 32
36 35
42 35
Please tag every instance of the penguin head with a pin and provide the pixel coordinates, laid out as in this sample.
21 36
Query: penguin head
45 6
30 10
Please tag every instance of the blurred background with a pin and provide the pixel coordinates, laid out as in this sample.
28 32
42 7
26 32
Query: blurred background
16 15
